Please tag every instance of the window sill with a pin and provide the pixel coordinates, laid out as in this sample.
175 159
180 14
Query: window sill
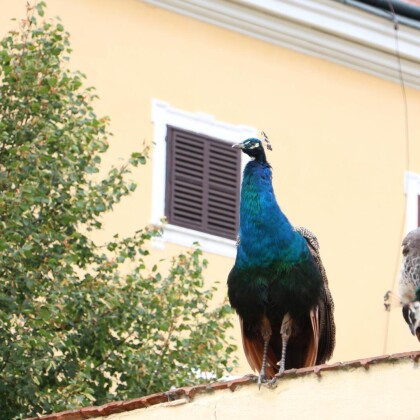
186 237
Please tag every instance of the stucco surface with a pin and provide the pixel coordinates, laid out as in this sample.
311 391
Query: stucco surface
383 391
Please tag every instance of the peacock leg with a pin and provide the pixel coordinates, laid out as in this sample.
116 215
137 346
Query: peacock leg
286 332
266 335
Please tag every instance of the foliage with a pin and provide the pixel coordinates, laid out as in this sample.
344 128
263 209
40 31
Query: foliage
82 322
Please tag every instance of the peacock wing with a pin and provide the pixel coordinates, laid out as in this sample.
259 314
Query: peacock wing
311 356
326 322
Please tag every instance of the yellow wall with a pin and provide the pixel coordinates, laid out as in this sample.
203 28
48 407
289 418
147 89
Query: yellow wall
338 138
385 391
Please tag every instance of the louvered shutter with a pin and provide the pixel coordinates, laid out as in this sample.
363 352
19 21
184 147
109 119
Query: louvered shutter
202 185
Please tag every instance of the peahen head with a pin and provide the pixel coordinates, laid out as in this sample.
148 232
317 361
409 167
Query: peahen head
252 147
411 313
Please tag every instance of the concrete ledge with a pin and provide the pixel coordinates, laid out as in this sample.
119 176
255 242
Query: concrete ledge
379 387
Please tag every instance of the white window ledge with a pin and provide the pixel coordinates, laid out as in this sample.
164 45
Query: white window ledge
162 116
187 237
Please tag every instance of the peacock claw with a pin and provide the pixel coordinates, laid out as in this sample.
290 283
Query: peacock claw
271 384
261 379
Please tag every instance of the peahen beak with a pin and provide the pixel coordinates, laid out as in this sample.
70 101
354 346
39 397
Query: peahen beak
238 146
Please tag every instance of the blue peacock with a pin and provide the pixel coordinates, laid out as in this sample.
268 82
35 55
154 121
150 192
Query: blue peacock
278 284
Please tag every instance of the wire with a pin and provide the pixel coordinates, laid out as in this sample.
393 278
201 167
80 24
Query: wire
407 166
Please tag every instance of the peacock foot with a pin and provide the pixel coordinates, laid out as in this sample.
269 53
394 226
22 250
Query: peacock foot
272 383
261 378
281 364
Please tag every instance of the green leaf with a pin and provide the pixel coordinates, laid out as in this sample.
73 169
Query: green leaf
40 8
44 313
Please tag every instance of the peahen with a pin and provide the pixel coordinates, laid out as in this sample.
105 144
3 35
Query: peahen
409 282
278 284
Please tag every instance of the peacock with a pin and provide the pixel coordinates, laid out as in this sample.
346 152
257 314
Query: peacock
409 282
278 285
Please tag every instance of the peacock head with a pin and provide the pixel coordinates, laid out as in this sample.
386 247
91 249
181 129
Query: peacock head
252 147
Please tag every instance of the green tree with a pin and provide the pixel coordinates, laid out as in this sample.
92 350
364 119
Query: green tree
76 327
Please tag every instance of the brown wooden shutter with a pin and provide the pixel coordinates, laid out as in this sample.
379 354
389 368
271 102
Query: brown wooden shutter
202 183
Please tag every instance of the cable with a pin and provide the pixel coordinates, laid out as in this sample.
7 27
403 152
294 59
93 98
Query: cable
407 166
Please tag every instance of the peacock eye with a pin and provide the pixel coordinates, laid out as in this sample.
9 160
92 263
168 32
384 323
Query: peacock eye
252 145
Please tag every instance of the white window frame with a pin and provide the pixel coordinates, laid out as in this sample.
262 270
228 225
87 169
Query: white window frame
412 191
163 115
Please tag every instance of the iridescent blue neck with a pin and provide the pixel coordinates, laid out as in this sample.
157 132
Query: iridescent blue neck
265 233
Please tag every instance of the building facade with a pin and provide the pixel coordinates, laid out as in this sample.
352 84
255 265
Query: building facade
334 84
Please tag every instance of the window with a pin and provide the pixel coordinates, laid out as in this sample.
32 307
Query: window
188 222
412 190
202 183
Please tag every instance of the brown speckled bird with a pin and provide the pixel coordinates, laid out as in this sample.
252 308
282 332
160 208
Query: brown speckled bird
409 282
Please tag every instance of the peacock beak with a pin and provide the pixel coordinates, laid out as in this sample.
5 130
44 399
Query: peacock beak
238 146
